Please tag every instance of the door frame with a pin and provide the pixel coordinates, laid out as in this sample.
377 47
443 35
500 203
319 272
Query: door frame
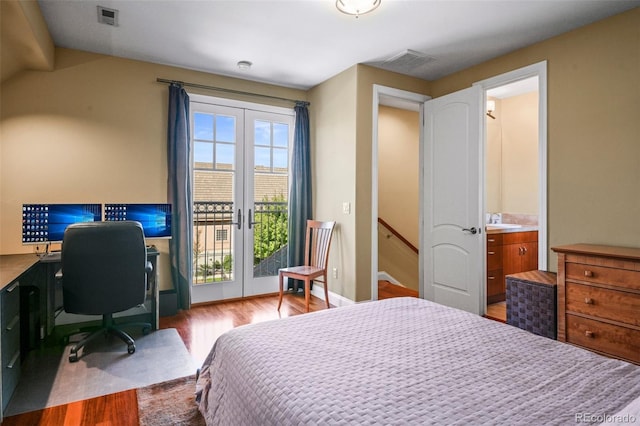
402 99
245 238
539 70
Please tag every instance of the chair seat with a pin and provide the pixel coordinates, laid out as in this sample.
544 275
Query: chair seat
307 271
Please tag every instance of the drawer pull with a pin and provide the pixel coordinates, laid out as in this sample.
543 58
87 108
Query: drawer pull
491 240
13 323
491 278
13 287
13 361
491 253
588 274
589 334
588 301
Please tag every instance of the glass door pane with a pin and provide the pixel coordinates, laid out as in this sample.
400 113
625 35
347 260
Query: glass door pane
269 138
217 195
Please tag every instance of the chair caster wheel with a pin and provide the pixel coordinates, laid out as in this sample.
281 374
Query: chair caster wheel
73 358
131 349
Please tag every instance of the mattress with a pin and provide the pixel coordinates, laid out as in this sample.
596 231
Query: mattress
406 361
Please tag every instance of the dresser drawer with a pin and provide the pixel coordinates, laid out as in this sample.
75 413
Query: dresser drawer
617 341
10 357
603 275
603 303
494 258
494 240
495 283
10 302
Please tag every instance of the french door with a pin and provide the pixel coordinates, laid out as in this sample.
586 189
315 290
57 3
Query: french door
240 192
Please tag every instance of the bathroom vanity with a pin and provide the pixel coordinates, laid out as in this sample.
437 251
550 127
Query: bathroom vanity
509 250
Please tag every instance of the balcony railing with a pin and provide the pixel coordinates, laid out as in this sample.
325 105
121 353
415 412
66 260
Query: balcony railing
213 244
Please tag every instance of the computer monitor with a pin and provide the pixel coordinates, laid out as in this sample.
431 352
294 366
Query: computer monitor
155 218
46 223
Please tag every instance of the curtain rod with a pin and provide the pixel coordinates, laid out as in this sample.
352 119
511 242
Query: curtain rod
221 89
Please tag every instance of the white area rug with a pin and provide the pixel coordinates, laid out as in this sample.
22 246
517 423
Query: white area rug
49 379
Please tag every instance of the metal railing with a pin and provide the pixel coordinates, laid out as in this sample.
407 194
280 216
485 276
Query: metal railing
213 225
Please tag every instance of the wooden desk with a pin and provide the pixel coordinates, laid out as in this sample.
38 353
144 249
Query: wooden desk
14 265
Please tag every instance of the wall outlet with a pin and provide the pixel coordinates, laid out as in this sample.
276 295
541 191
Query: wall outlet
346 207
335 273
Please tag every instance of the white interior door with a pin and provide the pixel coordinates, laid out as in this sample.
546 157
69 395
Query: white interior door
453 272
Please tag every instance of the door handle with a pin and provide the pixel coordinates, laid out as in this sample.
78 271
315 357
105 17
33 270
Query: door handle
471 230
250 222
239 221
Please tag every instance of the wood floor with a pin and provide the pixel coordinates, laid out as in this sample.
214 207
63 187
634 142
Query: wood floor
497 311
387 290
199 327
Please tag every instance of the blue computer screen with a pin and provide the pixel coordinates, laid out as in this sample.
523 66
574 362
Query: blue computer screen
47 222
155 218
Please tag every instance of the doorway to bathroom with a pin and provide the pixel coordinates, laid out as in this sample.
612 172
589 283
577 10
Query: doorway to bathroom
515 180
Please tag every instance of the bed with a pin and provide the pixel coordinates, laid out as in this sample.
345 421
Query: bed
407 361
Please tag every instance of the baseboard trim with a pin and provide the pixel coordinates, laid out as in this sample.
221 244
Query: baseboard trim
384 276
335 299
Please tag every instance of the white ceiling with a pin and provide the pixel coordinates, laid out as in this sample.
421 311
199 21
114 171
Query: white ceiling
301 43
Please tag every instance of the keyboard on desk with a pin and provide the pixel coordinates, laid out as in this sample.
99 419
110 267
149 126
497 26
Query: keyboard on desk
51 256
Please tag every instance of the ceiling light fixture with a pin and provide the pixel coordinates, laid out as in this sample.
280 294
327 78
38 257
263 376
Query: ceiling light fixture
244 65
357 7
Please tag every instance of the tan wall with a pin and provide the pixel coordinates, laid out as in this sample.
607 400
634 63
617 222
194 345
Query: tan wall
92 130
25 42
520 154
493 167
398 191
333 154
398 177
593 128
512 156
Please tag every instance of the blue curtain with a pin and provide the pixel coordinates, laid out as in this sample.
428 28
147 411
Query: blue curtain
300 193
179 193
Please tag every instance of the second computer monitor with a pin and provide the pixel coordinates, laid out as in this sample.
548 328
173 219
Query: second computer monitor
155 218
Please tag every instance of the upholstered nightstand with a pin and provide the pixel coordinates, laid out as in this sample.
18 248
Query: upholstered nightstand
532 302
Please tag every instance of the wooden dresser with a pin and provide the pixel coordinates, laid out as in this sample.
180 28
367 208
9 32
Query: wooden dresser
599 299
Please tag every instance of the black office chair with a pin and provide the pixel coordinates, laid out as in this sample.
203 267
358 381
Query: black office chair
104 267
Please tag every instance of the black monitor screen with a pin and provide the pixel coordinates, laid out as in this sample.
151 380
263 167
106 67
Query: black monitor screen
155 218
47 222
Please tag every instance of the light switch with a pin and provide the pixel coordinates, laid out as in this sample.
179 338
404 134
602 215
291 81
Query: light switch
346 207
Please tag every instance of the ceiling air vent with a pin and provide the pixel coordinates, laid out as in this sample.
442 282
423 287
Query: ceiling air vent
107 16
407 61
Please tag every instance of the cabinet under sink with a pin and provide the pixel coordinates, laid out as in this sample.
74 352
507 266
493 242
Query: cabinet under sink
508 253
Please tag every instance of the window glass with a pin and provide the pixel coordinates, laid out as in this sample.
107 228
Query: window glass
203 126
225 128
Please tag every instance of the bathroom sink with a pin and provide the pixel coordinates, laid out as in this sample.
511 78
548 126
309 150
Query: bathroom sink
494 226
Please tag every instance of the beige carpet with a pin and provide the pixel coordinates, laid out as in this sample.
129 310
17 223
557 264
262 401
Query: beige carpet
49 379
170 403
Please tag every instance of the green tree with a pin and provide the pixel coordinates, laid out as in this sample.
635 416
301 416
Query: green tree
271 229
